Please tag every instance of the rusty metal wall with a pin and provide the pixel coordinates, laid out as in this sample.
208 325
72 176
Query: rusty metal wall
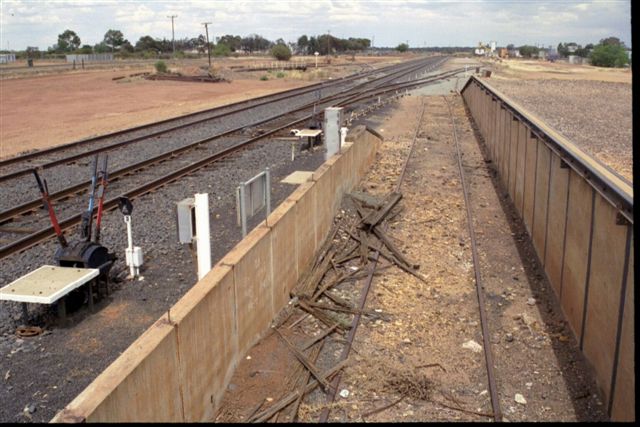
579 216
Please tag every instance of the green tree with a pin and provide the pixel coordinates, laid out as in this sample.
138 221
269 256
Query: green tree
233 42
86 49
611 41
303 44
161 67
281 52
101 48
402 47
68 41
146 43
221 49
609 55
114 39
528 51
126 46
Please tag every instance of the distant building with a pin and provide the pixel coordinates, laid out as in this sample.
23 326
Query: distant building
5 58
572 47
574 59
514 53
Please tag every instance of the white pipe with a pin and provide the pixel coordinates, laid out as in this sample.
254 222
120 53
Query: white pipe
203 244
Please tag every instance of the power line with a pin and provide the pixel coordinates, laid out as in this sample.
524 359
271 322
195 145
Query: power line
206 28
173 39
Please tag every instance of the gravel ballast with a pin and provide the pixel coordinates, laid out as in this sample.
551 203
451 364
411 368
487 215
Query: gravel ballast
595 115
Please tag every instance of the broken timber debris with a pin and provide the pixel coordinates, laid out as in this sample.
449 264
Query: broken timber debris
291 397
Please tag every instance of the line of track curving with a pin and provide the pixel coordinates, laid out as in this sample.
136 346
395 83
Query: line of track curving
25 225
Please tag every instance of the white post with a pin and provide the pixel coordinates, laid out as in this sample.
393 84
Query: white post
343 137
203 245
132 269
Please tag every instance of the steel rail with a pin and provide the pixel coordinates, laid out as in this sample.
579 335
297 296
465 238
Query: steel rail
331 392
486 339
304 89
6 215
46 232
238 107
613 187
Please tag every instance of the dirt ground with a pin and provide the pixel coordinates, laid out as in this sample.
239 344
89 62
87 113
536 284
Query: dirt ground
49 110
422 359
534 69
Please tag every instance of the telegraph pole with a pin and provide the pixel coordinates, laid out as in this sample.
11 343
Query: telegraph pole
206 28
173 39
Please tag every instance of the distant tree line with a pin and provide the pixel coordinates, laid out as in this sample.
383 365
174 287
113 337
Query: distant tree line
609 52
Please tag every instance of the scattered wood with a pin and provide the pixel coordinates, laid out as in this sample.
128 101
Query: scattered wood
306 362
314 340
350 310
364 247
291 397
366 199
330 284
174 77
383 408
308 286
468 411
376 216
314 357
431 365
387 242
325 318
300 319
256 409
326 245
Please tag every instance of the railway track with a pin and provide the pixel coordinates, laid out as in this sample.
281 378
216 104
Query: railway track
27 229
72 151
75 165
486 341
372 270
324 415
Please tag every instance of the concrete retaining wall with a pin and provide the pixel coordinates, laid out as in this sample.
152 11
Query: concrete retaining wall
179 368
582 240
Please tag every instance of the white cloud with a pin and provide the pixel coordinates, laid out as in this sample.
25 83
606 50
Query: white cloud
441 23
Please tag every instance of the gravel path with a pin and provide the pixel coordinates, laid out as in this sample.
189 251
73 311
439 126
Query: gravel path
597 116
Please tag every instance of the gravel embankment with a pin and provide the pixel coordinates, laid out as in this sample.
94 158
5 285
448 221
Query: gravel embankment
596 116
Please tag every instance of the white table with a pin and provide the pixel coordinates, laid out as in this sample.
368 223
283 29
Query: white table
47 285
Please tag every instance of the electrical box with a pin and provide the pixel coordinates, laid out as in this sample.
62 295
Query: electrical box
134 257
186 220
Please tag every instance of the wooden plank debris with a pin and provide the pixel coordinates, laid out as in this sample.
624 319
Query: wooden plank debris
306 362
291 397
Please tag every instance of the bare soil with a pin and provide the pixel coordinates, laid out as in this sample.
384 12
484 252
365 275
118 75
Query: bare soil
413 364
44 111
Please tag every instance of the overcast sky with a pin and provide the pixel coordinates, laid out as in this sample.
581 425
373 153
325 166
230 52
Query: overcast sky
423 23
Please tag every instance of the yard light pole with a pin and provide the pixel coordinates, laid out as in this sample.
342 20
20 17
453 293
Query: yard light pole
173 38
206 29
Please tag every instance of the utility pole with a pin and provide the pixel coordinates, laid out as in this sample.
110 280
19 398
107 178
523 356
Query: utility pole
328 43
173 39
206 28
